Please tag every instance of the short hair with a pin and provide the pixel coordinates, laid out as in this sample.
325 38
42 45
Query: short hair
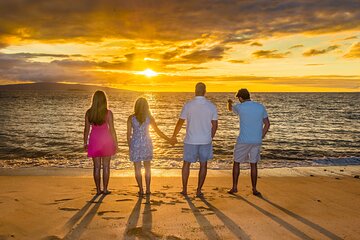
243 93
200 89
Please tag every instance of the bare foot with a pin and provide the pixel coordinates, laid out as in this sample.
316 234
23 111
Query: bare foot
183 193
256 193
99 192
106 192
199 194
140 193
232 191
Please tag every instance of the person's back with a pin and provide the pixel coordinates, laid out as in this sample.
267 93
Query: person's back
198 112
202 122
251 116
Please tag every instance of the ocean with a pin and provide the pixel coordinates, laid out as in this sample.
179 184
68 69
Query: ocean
45 128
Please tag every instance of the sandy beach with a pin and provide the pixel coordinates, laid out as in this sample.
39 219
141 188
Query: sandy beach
297 203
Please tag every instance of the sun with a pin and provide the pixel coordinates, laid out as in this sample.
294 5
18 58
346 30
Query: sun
148 73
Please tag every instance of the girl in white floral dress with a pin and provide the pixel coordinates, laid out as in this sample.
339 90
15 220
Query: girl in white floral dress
140 143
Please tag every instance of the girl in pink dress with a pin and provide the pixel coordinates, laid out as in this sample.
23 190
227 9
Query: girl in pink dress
102 142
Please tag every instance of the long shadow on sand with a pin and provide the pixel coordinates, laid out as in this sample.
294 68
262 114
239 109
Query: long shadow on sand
144 231
230 224
204 224
133 219
291 228
76 232
304 220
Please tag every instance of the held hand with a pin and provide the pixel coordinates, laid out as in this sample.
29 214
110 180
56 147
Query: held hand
173 141
230 101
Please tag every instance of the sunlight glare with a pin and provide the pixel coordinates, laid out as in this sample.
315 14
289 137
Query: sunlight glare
149 73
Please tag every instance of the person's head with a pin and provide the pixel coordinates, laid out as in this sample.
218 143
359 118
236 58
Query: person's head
243 95
200 89
98 109
141 110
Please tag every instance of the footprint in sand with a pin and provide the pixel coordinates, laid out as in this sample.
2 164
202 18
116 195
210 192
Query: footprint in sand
69 209
63 200
103 212
51 238
124 200
113 218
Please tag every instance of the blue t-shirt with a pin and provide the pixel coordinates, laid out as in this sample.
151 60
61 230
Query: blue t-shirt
251 115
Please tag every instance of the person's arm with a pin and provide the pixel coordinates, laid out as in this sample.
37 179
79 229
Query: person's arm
157 130
112 129
128 132
86 131
266 126
214 127
229 105
177 129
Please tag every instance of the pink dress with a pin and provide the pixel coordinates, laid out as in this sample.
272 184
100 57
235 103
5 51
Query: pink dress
101 143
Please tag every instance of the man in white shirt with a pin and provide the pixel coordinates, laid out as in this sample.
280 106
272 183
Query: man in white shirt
202 122
254 124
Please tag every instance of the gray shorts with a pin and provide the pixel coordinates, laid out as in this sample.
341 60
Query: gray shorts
244 152
193 153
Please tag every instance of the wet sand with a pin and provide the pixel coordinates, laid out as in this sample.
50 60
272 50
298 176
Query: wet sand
297 203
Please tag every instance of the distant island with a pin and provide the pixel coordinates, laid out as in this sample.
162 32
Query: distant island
48 86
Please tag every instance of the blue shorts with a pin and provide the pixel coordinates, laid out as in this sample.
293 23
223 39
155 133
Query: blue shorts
194 153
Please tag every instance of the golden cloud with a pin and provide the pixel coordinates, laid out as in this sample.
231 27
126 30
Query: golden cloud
354 51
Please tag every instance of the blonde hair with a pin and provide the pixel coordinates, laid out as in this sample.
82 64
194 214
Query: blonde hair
141 110
97 111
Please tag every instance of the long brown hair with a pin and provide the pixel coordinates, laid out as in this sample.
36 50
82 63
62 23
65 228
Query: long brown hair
142 110
97 111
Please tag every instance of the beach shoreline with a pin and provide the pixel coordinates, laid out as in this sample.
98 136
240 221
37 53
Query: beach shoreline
329 171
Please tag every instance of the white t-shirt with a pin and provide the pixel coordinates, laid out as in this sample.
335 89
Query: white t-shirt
251 115
198 113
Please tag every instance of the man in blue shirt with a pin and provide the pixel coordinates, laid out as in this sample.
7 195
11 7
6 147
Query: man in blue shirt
254 124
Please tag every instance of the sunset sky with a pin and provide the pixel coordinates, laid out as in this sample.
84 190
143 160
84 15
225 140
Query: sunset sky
170 45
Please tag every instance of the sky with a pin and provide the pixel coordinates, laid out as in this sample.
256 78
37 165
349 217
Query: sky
169 45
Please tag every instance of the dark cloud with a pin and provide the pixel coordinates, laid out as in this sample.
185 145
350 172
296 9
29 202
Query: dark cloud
314 52
296 46
201 56
350 38
36 55
239 61
256 44
196 68
269 54
354 51
233 21
178 55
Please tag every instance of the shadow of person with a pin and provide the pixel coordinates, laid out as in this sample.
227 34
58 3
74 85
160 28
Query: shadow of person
76 232
74 219
144 231
230 224
203 222
304 220
147 215
133 220
291 228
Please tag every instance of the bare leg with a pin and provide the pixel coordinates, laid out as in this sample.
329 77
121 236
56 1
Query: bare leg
254 178
106 173
147 166
235 175
138 177
201 179
96 174
185 176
